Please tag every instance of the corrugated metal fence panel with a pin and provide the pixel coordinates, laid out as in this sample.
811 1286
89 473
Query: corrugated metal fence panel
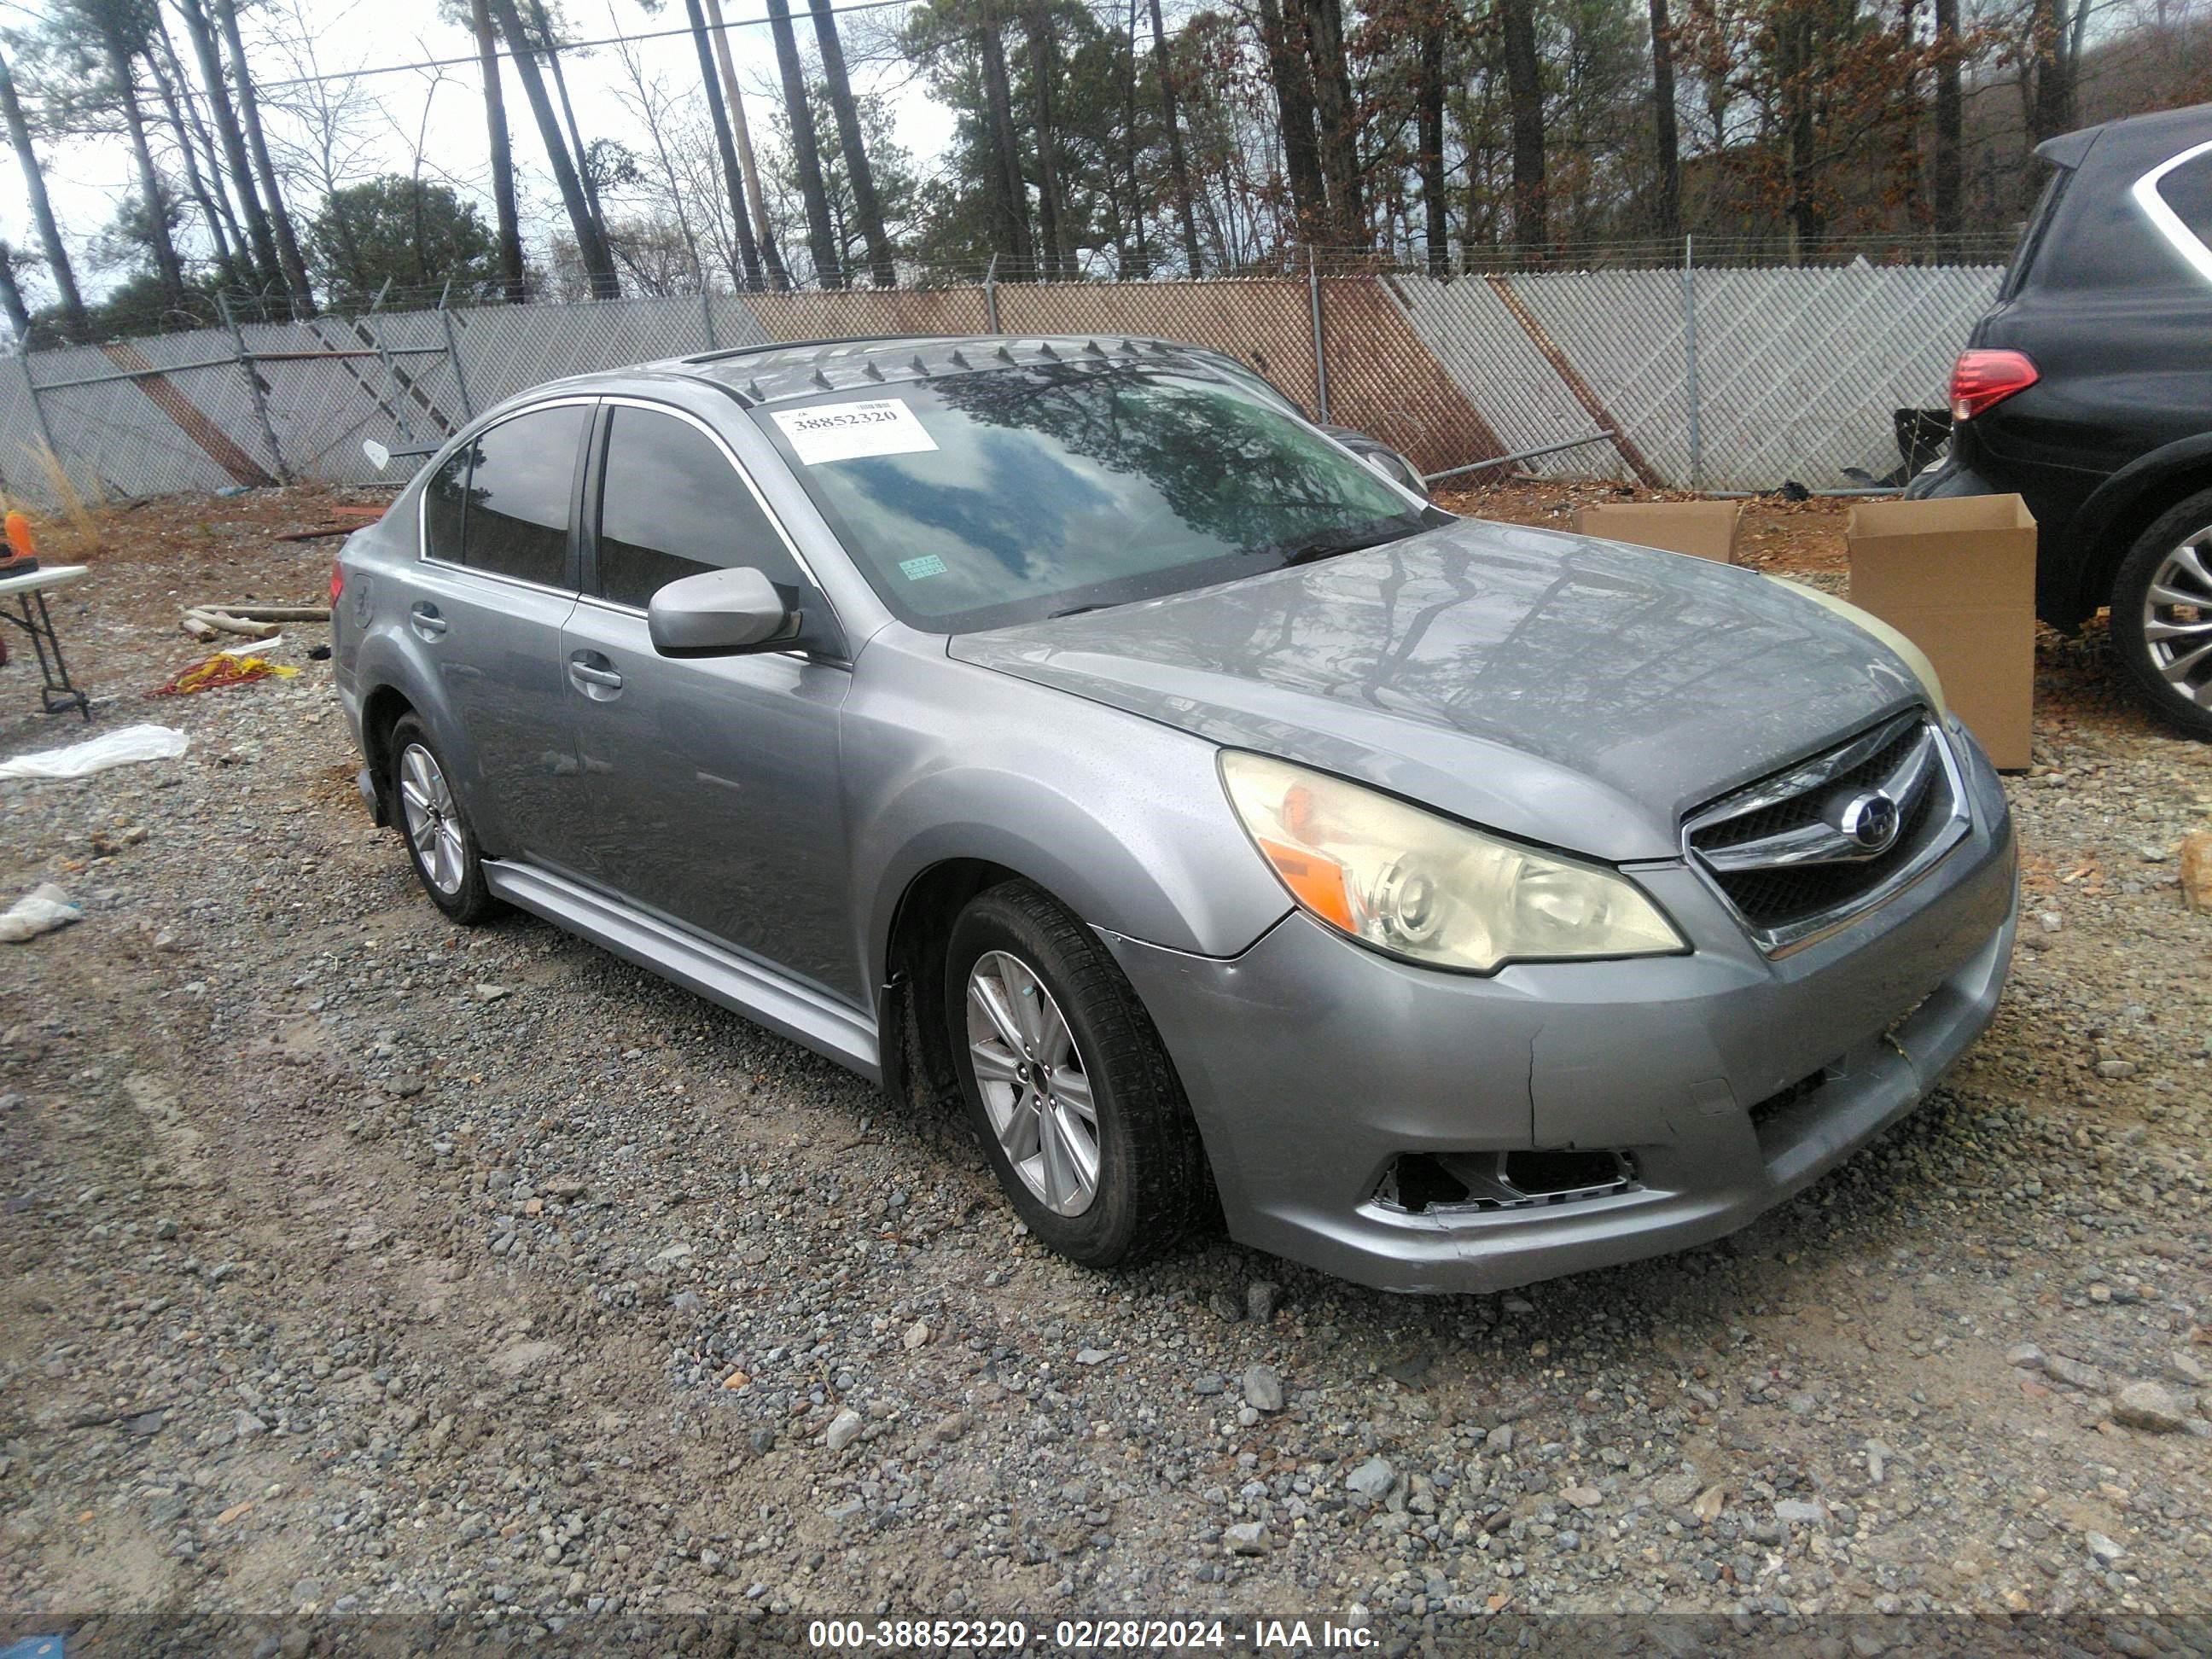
115 437
1799 370
1490 357
509 348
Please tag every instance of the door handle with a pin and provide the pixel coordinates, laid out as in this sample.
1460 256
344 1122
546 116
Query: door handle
588 674
426 621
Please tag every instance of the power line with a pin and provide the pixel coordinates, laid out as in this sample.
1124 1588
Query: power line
556 45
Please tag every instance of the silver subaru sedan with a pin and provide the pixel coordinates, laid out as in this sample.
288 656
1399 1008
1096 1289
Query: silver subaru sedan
1071 728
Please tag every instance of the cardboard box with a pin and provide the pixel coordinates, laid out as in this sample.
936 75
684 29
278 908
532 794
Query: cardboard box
1706 530
1957 577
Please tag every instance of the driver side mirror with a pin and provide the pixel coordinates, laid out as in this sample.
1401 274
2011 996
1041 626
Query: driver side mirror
721 613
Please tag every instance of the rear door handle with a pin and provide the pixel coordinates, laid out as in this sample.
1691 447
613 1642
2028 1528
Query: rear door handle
426 621
592 676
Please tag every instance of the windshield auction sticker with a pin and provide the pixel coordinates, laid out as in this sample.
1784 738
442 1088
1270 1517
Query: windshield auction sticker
851 432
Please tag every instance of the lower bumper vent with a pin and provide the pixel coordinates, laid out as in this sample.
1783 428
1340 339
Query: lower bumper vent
1424 1183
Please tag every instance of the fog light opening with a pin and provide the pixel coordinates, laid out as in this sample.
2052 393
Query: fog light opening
1424 1183
1561 1169
1418 1183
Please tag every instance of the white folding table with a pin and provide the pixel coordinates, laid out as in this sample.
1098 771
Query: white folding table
28 590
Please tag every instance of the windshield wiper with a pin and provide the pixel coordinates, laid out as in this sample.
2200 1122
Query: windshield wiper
1330 543
1077 610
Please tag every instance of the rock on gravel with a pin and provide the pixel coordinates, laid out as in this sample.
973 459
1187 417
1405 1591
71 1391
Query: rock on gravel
1263 1388
844 1429
2153 1407
1373 1478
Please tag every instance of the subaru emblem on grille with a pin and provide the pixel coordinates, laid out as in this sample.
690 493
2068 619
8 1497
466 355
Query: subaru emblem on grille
1870 817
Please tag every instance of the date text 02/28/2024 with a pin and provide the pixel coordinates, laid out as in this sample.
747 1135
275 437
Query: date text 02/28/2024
1087 1635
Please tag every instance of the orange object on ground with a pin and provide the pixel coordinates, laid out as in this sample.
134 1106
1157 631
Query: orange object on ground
218 671
21 542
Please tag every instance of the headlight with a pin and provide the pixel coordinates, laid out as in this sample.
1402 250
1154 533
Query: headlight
1426 889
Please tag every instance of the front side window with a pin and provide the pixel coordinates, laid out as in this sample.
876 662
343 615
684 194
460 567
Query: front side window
1002 496
671 506
521 474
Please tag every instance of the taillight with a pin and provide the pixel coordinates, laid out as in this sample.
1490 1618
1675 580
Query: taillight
337 582
1982 380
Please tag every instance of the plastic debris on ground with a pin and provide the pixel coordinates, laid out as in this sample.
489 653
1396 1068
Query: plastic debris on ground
41 910
219 671
117 748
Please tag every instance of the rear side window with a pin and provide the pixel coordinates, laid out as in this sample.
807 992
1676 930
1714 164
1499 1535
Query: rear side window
444 498
522 475
2187 189
671 506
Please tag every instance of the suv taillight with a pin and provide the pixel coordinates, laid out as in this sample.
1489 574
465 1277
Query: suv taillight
338 583
1981 379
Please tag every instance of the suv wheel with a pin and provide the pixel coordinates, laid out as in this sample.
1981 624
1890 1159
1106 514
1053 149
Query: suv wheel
440 843
2162 615
1072 1096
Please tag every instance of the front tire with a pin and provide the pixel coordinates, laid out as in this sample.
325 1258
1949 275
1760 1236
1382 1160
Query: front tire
440 842
2162 615
1071 1094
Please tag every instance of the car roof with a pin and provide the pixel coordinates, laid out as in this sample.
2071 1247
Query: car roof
807 368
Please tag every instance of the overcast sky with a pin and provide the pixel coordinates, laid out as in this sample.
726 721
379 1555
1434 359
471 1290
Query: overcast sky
88 178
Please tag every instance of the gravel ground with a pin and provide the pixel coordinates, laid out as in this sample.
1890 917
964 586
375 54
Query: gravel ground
355 1263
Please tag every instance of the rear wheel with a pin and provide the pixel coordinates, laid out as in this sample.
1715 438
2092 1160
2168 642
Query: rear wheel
1072 1096
440 843
2162 615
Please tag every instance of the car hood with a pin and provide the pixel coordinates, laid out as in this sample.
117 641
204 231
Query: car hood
1582 693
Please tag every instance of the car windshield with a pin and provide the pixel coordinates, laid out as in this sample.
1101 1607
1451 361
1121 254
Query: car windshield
987 499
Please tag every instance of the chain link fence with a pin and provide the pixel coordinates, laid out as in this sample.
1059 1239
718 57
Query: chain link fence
1707 372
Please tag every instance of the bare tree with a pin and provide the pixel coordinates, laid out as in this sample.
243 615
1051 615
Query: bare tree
75 324
118 33
1429 156
821 240
741 130
196 183
225 225
849 140
270 270
591 242
1338 108
11 295
1011 193
502 153
1052 254
648 99
1666 140
733 174
549 42
1524 92
249 110
1178 164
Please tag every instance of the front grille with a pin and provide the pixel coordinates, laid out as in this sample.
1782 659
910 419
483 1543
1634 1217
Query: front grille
1798 852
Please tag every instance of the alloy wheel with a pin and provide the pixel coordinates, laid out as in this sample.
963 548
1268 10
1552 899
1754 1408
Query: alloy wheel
1035 1087
2177 618
434 823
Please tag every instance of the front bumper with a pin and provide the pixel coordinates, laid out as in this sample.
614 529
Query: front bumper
1732 1081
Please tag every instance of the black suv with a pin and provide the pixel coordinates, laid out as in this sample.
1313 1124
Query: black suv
2087 390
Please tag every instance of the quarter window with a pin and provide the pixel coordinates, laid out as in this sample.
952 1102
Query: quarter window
2188 190
445 500
520 479
673 505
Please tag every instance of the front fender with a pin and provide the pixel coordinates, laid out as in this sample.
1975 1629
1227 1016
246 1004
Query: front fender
1124 821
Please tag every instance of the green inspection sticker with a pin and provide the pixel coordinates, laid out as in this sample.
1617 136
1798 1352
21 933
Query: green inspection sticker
915 570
